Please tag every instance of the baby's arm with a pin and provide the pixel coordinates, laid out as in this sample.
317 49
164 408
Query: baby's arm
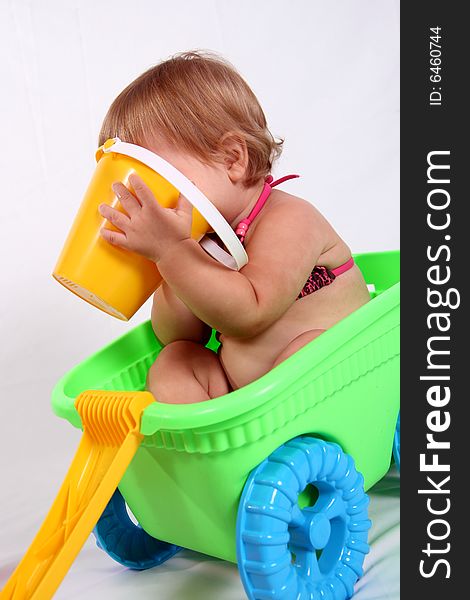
283 249
172 320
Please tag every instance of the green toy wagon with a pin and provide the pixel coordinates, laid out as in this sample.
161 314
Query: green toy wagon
271 476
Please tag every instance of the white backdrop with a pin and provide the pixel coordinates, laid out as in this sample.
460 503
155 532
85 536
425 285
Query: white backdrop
327 76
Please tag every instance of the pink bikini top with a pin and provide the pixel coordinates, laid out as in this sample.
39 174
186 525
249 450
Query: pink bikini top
245 223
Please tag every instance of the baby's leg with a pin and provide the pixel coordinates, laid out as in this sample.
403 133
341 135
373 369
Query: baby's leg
297 343
186 372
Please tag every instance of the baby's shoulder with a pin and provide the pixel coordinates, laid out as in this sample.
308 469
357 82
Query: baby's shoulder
283 202
290 212
288 219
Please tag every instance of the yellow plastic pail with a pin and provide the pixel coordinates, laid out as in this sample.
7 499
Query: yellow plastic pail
116 280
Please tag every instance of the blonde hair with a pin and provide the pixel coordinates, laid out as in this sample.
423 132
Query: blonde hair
193 99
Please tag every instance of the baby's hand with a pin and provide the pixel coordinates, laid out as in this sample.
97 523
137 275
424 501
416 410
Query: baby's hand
148 228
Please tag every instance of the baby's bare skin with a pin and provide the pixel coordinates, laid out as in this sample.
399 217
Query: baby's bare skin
246 358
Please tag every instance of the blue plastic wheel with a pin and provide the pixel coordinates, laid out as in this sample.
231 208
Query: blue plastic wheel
396 443
302 524
126 542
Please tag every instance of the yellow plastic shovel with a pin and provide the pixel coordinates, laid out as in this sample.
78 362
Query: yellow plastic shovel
111 437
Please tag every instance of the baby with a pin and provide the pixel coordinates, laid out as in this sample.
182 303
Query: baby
199 114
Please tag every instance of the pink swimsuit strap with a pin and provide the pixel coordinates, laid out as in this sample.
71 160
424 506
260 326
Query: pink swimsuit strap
245 223
344 267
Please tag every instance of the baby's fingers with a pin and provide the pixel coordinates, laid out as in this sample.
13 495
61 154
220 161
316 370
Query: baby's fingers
143 192
128 201
114 237
183 205
117 218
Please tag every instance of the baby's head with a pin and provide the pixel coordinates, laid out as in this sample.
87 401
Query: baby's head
197 112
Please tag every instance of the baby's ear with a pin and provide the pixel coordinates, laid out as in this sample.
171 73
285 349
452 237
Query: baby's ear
233 147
